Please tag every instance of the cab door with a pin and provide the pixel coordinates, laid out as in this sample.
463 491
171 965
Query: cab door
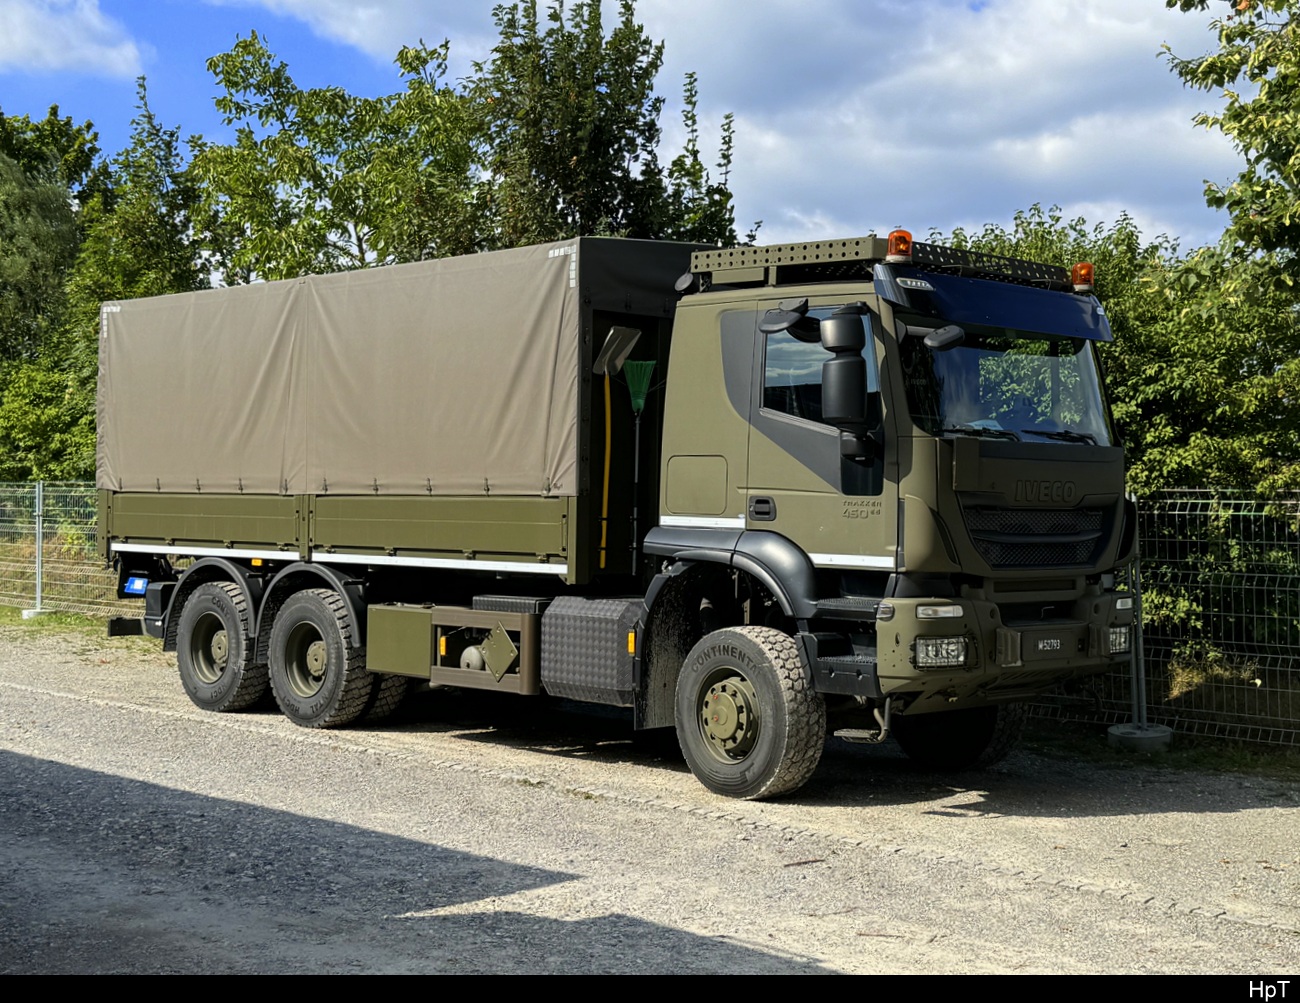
800 485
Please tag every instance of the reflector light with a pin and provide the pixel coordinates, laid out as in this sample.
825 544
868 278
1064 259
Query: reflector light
899 247
1081 276
631 642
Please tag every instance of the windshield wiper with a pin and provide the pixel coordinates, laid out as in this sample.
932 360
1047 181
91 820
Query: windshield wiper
982 432
1064 435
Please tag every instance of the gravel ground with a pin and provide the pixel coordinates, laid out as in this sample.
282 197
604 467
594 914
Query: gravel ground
481 833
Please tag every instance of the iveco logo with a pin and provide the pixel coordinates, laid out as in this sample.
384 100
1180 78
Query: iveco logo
1042 491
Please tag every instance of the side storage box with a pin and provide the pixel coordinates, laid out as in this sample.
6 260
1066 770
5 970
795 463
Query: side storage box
586 651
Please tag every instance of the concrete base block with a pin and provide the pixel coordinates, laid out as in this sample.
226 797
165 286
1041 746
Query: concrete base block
1140 738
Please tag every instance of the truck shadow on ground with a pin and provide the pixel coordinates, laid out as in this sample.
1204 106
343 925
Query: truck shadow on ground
104 874
854 775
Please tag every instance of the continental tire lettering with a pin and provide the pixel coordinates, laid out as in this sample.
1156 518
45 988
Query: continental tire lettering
730 651
1046 491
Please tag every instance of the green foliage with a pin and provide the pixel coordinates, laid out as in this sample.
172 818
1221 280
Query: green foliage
572 123
38 242
572 129
55 150
700 208
319 180
47 425
1257 70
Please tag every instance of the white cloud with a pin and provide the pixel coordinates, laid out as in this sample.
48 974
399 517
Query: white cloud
46 35
944 112
380 27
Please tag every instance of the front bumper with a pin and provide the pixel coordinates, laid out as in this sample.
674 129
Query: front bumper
972 655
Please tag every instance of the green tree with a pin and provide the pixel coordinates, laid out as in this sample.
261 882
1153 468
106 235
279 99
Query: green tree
701 208
47 425
57 151
318 180
572 123
1256 67
38 243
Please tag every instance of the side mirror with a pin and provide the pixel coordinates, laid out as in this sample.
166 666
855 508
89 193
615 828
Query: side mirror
845 401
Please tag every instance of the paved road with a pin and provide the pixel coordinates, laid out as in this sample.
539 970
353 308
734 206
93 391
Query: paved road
493 834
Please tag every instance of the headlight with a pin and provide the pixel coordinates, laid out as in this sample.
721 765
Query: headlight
1119 640
940 652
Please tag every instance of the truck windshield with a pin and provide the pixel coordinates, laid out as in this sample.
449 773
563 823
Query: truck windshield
1008 384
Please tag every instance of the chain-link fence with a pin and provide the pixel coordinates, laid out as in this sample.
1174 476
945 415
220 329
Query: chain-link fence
71 577
1220 575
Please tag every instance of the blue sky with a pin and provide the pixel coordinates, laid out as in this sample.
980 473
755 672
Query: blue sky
868 115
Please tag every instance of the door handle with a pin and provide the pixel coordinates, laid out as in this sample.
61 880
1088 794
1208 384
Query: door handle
762 509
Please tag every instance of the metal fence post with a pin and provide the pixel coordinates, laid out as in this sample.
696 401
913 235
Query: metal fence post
40 552
1138 734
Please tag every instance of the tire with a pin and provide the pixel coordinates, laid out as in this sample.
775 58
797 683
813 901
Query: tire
748 720
387 696
213 649
961 739
318 671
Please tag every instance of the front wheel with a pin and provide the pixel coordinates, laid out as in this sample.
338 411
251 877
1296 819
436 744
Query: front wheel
960 739
748 720
318 671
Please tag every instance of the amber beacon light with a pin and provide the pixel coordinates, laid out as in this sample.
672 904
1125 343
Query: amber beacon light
900 247
1081 276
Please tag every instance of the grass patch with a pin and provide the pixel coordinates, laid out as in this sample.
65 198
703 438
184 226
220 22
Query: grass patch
52 621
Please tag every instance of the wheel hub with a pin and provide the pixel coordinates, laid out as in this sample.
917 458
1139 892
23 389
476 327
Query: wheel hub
219 646
729 716
315 659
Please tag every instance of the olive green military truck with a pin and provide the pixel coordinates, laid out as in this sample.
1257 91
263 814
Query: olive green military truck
752 494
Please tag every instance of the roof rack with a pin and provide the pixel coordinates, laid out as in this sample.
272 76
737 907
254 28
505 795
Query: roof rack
852 260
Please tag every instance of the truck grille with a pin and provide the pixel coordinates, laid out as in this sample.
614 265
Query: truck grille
1036 538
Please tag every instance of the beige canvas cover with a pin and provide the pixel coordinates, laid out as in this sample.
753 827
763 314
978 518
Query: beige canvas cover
451 377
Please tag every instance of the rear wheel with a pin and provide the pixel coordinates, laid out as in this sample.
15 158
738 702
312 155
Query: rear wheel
388 694
960 739
212 649
318 671
748 720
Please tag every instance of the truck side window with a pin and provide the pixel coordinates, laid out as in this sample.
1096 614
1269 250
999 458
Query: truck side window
792 377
